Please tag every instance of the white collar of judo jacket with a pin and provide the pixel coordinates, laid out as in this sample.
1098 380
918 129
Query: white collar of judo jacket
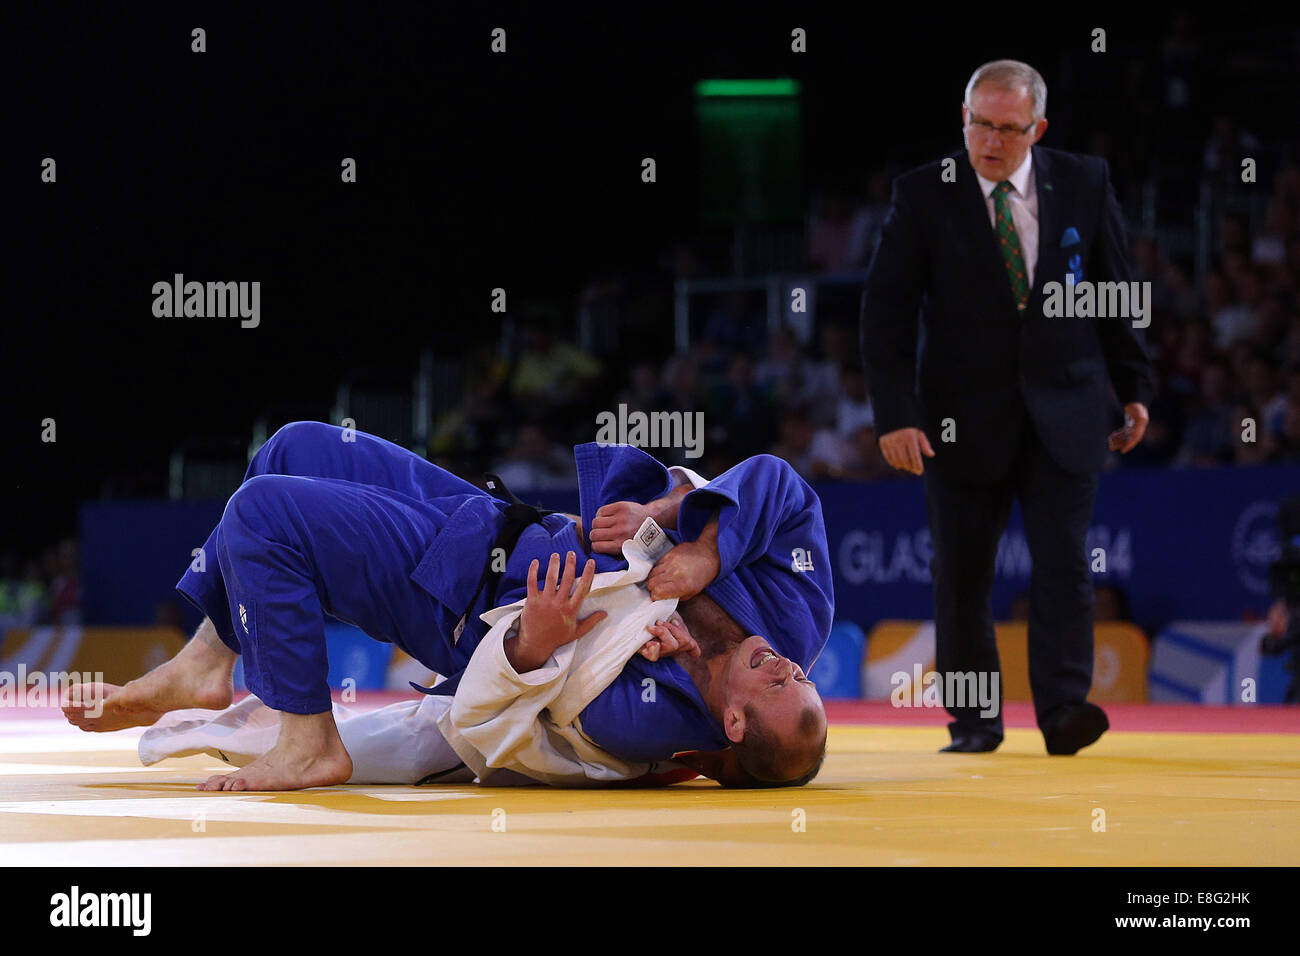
504 724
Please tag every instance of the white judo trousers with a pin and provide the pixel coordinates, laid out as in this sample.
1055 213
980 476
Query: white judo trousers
400 743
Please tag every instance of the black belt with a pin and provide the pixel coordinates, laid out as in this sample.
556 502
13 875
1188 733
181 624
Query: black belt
519 516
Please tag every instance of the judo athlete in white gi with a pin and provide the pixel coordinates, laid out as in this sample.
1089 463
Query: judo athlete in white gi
346 524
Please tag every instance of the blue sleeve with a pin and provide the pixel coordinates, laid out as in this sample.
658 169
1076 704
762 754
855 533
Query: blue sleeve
650 712
764 510
775 574
608 473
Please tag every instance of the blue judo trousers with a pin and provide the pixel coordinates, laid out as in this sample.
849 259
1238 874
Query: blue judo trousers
336 522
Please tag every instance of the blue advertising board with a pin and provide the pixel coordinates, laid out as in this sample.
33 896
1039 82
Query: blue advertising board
1190 544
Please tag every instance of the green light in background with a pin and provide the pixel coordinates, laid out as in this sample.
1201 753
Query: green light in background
747 88
750 151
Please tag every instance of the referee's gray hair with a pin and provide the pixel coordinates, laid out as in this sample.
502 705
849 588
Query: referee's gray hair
1011 75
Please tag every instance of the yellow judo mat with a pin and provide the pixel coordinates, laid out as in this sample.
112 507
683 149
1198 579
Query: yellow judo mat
884 797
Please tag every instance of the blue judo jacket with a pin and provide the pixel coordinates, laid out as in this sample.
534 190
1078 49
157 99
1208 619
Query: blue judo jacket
774 580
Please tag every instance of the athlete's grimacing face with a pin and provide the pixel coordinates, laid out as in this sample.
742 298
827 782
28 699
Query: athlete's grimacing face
770 684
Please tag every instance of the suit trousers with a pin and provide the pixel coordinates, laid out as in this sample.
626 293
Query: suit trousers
966 523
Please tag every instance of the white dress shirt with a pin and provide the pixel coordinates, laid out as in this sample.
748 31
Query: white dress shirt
1023 200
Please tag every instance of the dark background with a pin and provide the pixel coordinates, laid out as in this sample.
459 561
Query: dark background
475 170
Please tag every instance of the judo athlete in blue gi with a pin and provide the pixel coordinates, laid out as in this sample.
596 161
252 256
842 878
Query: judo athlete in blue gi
338 522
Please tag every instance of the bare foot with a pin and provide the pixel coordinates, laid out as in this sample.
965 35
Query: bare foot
104 707
309 753
199 676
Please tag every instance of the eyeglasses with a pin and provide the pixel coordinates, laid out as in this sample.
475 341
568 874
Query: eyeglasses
988 129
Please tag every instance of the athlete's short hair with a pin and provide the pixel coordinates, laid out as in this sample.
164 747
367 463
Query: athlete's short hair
766 763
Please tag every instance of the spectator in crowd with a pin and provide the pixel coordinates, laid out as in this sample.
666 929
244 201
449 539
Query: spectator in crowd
536 464
838 233
1290 396
464 436
1147 268
1184 299
821 389
853 410
1239 318
734 323
838 449
874 212
827 454
1227 143
682 391
785 369
794 443
740 411
550 373
643 391
1210 431
1288 439
1186 368
1261 386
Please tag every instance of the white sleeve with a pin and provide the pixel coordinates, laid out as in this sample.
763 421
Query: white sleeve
498 720
496 710
503 720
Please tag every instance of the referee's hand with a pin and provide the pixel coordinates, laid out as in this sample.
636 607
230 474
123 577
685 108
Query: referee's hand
1136 418
903 449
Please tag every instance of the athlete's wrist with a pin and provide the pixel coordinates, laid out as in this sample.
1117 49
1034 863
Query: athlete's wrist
664 510
523 655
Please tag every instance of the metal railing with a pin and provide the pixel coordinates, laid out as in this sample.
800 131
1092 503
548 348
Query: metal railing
778 291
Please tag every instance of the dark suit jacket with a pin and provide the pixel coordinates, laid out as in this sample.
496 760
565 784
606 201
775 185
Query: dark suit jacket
942 337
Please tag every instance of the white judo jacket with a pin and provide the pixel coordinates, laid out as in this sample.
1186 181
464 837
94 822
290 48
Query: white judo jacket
529 723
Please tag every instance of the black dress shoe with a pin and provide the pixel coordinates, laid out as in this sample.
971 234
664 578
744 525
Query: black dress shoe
972 744
1074 727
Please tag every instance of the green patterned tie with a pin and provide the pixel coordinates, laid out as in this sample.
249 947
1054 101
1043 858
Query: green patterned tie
1009 243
